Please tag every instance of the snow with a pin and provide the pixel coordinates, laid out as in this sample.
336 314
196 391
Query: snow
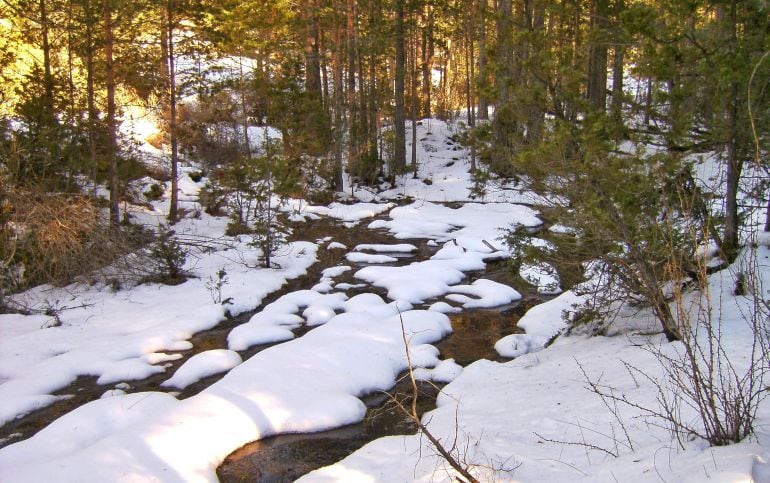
543 276
528 419
444 308
203 365
488 294
541 324
275 321
383 248
446 371
533 418
114 336
356 257
344 212
473 220
308 384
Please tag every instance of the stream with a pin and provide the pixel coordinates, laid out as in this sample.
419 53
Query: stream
289 456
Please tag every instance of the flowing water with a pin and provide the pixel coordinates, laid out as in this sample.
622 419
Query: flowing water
286 457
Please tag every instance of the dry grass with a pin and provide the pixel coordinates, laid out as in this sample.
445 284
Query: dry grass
53 238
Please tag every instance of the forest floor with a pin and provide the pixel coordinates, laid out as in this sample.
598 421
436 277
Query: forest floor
398 265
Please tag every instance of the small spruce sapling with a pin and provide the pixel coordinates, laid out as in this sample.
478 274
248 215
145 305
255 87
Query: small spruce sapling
278 177
167 257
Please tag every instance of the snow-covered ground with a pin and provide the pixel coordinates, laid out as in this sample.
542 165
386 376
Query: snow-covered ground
530 419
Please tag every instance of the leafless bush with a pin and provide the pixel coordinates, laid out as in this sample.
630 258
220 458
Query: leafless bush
454 453
708 391
52 238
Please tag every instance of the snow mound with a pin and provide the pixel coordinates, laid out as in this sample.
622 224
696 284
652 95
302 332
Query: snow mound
382 248
541 323
203 365
357 257
543 276
489 294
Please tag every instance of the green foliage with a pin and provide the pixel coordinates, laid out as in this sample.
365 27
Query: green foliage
367 169
167 258
213 198
257 187
154 192
207 128
635 215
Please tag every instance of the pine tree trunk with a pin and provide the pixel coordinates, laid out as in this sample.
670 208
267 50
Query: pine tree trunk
351 41
730 240
536 114
616 108
338 107
112 126
399 121
618 60
91 92
173 211
483 64
415 104
470 82
503 127
372 107
597 57
48 82
427 64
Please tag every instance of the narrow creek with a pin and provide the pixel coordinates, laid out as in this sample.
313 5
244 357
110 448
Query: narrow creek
286 457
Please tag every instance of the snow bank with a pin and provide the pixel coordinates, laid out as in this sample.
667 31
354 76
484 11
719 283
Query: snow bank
124 335
305 385
532 419
488 294
382 248
543 276
541 324
275 321
345 213
472 220
357 257
203 365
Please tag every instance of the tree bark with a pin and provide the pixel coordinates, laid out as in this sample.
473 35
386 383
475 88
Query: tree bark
399 127
312 53
427 63
502 125
91 92
483 81
415 103
338 107
174 205
597 57
112 126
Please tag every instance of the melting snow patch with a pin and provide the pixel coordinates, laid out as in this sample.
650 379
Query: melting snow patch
308 384
275 321
357 257
203 365
381 248
446 371
543 276
541 323
444 308
489 294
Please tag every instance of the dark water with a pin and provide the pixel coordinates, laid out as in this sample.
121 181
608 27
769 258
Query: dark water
286 457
